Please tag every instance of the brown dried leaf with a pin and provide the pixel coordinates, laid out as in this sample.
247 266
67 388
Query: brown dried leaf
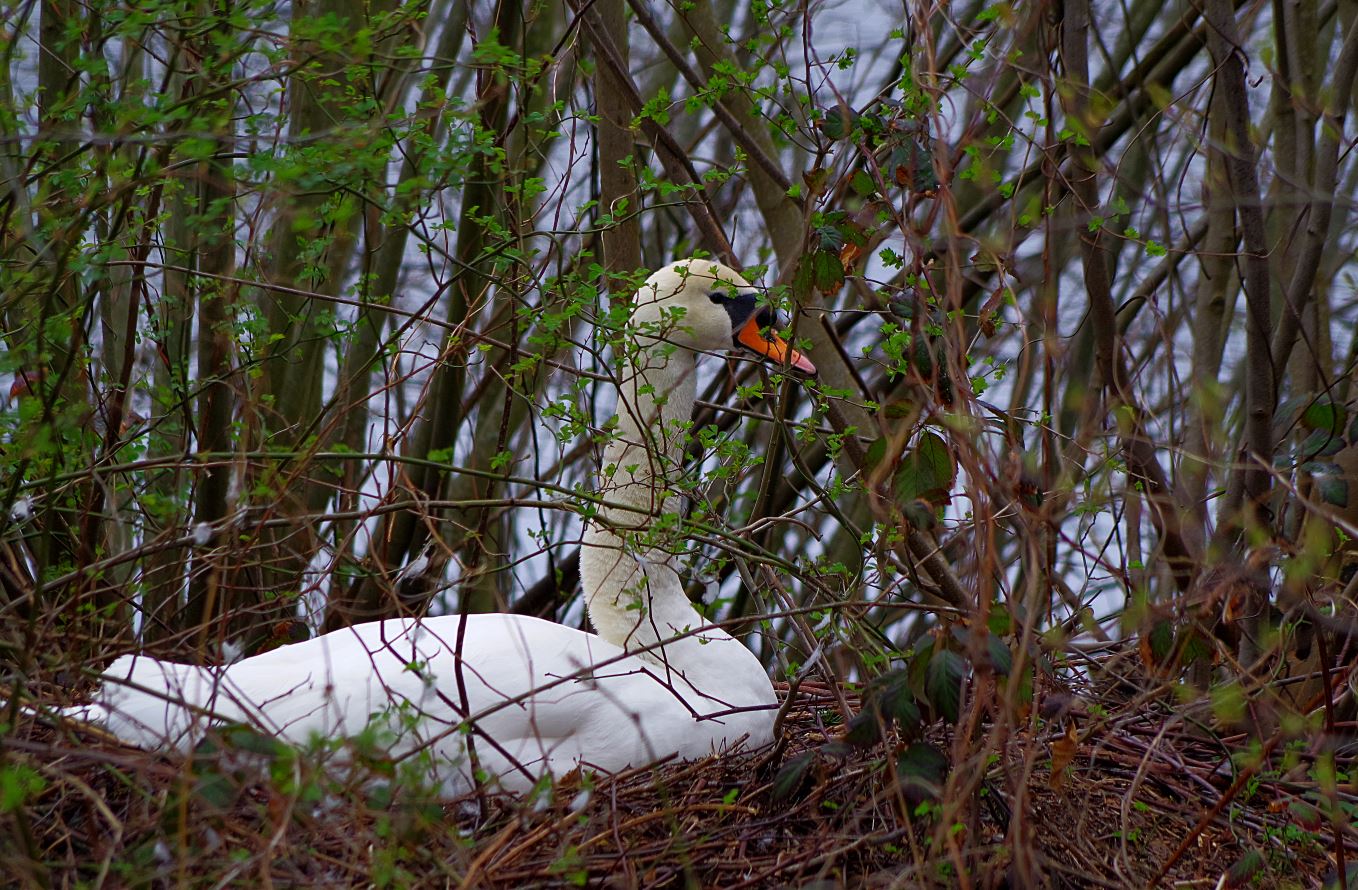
1063 754
849 254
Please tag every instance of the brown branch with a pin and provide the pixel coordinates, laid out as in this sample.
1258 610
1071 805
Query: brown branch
1300 287
1224 43
677 164
617 180
1141 458
751 148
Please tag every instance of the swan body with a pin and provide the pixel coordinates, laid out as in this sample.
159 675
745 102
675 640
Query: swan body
509 697
551 698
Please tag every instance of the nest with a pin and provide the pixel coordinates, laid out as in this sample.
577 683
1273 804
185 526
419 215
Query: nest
1133 801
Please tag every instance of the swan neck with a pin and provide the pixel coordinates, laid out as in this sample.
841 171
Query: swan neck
633 593
642 459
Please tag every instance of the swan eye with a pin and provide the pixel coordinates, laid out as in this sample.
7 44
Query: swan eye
740 306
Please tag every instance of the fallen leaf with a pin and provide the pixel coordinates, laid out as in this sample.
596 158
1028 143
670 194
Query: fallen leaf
1063 753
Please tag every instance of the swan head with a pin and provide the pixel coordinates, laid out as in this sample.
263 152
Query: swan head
706 306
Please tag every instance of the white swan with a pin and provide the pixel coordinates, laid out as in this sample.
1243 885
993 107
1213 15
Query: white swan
542 698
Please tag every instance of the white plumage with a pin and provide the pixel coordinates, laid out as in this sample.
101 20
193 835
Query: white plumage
539 697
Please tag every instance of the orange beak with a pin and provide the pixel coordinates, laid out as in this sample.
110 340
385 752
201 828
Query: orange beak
772 346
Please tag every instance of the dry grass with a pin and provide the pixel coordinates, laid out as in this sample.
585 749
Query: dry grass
1139 787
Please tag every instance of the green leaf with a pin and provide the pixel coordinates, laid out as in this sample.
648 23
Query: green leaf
215 789
862 184
18 784
1350 875
1001 659
943 683
829 272
838 123
246 738
1329 483
1321 443
902 305
656 108
912 164
924 760
1195 647
922 770
927 472
1244 869
922 357
1161 640
1323 414
919 513
891 695
864 728
1228 704
830 238
1305 815
836 749
379 795
876 451
918 668
899 408
792 777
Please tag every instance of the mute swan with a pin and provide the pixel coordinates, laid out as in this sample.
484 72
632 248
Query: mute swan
541 698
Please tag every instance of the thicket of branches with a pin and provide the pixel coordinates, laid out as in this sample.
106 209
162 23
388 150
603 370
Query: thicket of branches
306 307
